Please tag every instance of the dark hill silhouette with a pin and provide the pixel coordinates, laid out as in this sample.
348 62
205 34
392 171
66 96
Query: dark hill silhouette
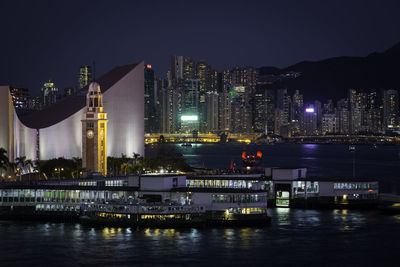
331 78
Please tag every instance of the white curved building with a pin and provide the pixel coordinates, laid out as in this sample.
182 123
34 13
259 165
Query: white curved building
57 130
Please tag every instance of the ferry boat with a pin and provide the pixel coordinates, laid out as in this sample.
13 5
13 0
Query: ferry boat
151 200
208 197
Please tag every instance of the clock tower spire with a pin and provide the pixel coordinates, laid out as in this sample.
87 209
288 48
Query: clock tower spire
94 132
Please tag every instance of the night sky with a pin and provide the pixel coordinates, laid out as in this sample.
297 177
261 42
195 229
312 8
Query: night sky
51 39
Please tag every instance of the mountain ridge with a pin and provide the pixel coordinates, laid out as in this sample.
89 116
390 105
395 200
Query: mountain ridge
332 77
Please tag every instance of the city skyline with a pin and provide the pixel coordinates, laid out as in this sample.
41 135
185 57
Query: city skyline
277 34
195 97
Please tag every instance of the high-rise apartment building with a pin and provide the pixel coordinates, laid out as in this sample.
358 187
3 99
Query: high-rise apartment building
297 104
241 111
343 115
20 98
224 112
49 93
270 103
374 113
390 108
176 68
189 69
212 112
85 76
355 112
309 124
329 123
189 118
150 123
259 111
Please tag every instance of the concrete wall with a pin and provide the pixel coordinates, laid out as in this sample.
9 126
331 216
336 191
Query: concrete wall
124 103
5 120
63 139
204 199
161 182
288 174
16 138
25 141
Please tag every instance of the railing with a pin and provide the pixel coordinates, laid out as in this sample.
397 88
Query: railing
143 208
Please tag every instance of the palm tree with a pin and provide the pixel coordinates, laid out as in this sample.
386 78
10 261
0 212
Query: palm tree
21 165
12 166
29 165
3 159
77 166
136 156
38 167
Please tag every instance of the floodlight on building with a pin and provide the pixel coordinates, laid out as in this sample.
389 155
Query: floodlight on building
189 118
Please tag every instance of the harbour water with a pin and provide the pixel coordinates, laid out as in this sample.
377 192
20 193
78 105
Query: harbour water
322 161
295 237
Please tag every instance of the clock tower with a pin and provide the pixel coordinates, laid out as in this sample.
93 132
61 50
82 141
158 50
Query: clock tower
94 132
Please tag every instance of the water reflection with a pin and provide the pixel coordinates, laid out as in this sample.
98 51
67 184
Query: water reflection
245 236
309 147
111 232
170 234
397 217
282 216
310 236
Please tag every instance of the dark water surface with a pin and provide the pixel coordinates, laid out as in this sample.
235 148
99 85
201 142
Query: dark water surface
322 161
295 237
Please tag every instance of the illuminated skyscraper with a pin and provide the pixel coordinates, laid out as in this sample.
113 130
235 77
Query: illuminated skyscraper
310 121
329 123
270 102
189 69
282 113
20 98
297 104
150 123
215 81
391 108
84 76
224 112
244 78
355 111
190 106
49 93
374 115
241 120
343 115
190 97
176 68
203 74
212 112
167 110
259 111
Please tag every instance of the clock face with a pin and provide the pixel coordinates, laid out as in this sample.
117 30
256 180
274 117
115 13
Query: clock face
90 134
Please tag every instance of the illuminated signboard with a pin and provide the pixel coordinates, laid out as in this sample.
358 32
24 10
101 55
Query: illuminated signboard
189 118
309 110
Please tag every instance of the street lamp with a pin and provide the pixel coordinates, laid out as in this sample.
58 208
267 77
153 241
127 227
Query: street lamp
58 170
19 171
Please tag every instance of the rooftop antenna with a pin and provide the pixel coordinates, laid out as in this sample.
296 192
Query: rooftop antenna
94 71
